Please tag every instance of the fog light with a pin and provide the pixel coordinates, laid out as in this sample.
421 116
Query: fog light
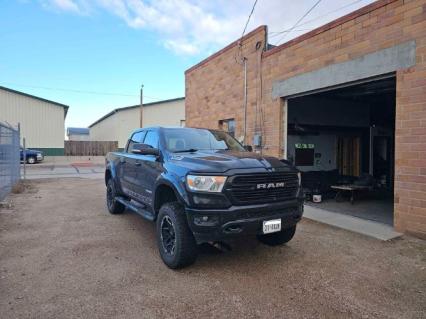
205 220
200 219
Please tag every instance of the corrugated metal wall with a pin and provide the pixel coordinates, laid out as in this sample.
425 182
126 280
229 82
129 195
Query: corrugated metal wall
118 126
164 114
42 123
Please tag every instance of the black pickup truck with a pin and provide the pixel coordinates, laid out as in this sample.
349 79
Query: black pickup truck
201 185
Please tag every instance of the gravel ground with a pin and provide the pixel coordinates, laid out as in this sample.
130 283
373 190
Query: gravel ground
63 256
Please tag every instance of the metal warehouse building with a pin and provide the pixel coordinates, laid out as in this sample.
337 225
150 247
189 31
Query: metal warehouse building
343 102
119 123
78 134
42 121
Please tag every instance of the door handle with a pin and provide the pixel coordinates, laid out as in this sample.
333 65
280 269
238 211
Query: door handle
137 163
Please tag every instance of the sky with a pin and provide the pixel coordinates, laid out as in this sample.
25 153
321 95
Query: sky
93 55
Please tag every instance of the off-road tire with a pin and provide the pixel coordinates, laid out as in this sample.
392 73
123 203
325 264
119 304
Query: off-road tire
279 238
31 160
113 206
185 249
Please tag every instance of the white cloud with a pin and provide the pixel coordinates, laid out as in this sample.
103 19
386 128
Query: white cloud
67 5
192 27
181 47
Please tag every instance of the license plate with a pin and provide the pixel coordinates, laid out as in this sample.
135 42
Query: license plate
271 226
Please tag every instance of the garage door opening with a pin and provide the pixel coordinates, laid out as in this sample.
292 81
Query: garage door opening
343 142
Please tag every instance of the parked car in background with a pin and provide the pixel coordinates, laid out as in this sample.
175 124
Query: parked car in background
202 186
33 156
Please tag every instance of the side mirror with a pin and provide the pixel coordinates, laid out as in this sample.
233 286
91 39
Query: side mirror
248 148
144 149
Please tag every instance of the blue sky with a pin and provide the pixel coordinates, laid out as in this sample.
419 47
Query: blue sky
54 48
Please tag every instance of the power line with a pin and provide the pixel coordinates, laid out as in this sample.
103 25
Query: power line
77 91
331 12
237 56
275 33
248 19
298 21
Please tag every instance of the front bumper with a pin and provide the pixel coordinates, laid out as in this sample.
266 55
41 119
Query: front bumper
221 224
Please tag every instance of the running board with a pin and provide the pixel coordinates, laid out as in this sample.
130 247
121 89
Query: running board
138 209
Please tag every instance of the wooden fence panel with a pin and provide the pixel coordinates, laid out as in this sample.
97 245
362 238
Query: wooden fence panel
89 148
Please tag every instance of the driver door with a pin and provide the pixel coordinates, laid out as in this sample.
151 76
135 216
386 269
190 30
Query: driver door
149 170
128 167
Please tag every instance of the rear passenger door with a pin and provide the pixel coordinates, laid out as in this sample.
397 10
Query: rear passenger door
129 168
150 168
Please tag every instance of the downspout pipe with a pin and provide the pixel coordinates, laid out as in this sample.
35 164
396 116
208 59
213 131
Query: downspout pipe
245 99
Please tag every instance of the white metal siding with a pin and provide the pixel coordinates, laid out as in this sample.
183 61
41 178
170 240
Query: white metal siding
116 127
119 125
78 137
42 123
164 114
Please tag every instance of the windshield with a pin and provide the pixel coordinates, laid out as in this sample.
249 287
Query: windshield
191 139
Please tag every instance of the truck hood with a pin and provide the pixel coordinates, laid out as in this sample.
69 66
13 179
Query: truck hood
222 161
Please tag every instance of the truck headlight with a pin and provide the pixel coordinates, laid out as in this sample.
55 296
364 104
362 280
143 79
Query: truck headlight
213 184
299 177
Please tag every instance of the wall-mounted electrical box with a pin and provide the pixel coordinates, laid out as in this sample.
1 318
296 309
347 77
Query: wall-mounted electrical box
257 140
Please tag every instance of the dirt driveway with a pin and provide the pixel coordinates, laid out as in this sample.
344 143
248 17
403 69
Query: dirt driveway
62 255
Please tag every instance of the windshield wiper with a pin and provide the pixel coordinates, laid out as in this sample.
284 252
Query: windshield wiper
189 150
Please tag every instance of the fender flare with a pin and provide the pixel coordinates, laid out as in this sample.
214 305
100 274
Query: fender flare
110 167
173 183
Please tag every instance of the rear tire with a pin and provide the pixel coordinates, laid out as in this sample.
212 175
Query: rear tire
114 207
278 238
176 242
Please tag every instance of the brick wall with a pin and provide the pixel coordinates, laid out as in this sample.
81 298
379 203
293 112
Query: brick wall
214 88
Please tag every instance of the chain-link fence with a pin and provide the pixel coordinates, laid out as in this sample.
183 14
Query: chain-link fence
9 158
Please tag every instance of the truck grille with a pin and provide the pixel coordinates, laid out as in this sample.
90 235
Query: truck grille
244 189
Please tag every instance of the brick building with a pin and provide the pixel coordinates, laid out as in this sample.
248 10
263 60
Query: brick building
349 96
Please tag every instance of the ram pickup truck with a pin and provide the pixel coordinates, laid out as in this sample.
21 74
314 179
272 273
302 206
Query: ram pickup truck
201 185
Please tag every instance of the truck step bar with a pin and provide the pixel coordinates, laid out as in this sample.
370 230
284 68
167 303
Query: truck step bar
135 207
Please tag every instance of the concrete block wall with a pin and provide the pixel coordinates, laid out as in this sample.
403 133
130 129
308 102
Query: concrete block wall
214 88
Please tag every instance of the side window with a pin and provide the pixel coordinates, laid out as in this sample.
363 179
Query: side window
136 138
151 139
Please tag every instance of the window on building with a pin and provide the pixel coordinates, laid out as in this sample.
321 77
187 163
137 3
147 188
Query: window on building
136 138
151 139
304 154
228 126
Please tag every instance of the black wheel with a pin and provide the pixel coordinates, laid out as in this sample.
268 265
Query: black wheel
31 160
278 238
176 243
114 207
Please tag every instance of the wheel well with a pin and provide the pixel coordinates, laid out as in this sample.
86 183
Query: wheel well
108 175
164 194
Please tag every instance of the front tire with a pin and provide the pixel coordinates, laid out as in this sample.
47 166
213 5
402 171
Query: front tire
114 207
176 242
31 160
279 238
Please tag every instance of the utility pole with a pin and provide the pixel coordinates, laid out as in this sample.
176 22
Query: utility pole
141 107
25 158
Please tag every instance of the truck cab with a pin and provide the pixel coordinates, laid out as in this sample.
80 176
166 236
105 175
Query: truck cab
202 185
